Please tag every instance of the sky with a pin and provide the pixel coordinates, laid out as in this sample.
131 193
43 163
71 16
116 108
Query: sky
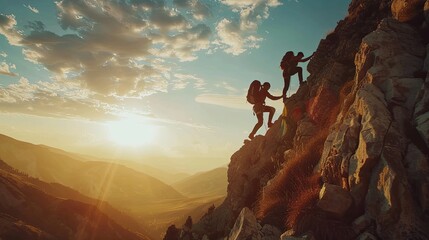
161 82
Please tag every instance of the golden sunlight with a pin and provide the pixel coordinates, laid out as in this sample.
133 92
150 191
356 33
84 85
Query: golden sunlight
131 132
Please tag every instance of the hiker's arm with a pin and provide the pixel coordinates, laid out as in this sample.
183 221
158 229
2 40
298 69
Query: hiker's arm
306 59
273 97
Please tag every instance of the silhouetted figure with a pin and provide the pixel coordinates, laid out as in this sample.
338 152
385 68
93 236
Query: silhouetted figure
289 65
259 108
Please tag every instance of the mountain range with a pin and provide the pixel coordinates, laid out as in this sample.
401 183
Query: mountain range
122 190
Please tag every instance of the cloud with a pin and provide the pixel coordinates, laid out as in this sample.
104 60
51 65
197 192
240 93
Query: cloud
7 28
3 54
229 101
44 99
181 81
227 86
33 9
5 69
114 50
240 34
116 44
198 9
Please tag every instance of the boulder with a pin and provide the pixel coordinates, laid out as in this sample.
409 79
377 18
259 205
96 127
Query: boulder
407 10
366 236
305 131
245 227
361 223
270 232
334 199
307 236
421 113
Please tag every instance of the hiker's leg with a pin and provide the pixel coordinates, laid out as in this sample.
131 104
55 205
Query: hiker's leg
286 78
299 69
260 117
271 111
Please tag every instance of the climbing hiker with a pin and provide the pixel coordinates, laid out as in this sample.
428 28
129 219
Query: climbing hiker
257 95
289 65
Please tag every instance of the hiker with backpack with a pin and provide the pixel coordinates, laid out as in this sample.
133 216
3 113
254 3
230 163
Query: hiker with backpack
289 65
256 95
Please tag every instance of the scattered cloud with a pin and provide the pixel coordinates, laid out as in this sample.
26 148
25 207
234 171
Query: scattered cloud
45 99
181 81
33 9
198 9
115 50
7 28
228 101
227 86
5 69
237 35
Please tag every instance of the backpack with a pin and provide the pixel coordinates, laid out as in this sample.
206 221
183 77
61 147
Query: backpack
253 92
286 60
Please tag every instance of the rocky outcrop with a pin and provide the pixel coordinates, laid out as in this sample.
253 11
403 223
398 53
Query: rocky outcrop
375 157
246 227
407 10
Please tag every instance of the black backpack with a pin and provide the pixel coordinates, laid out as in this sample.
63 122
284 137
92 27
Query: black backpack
253 92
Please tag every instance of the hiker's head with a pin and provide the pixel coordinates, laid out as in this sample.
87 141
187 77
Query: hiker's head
266 85
300 54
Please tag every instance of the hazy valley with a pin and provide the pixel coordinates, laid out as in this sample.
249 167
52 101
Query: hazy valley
144 204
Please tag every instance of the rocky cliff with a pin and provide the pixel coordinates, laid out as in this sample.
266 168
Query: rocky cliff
353 161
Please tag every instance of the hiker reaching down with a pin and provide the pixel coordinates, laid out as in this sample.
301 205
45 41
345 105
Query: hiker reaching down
289 65
259 108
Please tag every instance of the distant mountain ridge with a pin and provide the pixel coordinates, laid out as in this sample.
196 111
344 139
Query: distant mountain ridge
210 183
28 212
99 180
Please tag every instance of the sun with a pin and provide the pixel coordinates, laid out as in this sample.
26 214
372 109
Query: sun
131 132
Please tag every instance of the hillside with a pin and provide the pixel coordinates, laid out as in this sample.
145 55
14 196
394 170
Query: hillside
100 180
350 161
28 212
210 183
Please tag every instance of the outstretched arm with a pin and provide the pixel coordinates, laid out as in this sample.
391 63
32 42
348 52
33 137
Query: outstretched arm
307 58
273 97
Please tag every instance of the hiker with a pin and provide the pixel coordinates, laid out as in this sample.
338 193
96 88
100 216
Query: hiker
289 65
259 107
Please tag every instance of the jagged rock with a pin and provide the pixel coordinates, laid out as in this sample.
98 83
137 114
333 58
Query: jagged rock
245 227
252 166
407 10
361 223
172 233
304 132
417 164
370 144
366 236
270 232
286 236
421 113
325 99
334 199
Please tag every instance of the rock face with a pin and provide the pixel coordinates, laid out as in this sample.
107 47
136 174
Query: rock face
376 155
245 227
334 199
407 10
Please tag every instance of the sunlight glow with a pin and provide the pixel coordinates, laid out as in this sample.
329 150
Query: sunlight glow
132 132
